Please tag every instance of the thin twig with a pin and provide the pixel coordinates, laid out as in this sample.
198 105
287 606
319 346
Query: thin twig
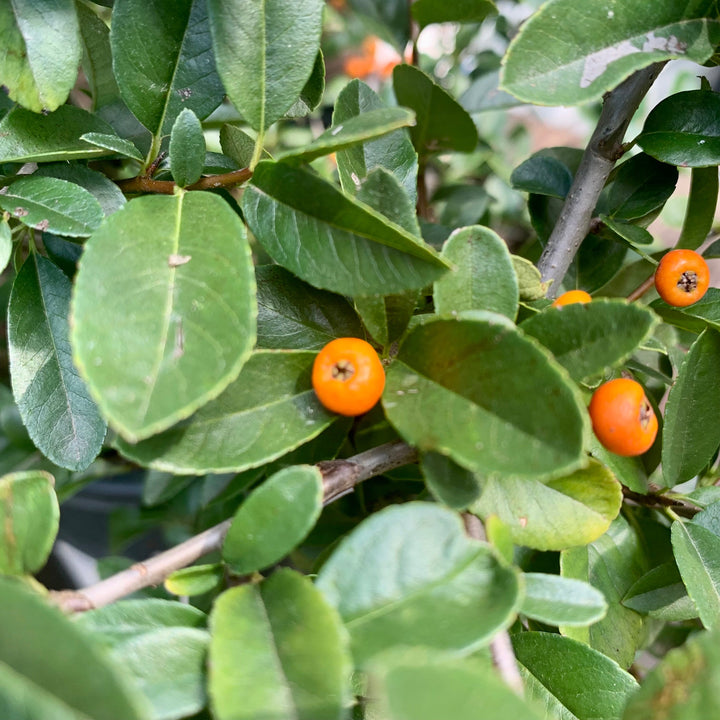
339 478
655 500
641 289
603 151
167 187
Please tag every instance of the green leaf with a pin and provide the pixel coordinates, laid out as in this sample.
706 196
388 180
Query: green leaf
542 174
238 145
684 129
689 441
630 471
427 688
113 143
30 515
187 322
312 93
449 483
611 564
394 152
239 429
330 240
410 575
353 131
530 284
441 122
265 53
595 689
700 212
27 137
427 12
483 278
97 57
587 339
178 73
705 312
295 316
45 658
556 600
294 661
388 19
195 580
661 594
484 389
683 686
634 234
574 510
41 52
274 519
187 149
52 205
6 244
697 553
571 62
54 403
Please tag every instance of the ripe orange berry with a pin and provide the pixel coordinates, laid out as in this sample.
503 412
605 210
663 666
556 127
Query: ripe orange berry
570 297
682 277
622 418
348 376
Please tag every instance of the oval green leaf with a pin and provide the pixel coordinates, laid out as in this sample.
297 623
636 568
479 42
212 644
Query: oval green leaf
187 321
113 143
187 148
661 594
294 661
274 519
195 580
449 483
556 600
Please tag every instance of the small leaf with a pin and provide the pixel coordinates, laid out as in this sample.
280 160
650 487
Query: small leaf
530 284
41 52
54 402
634 234
52 205
239 429
187 323
30 515
113 143
449 483
441 122
294 663
195 580
410 575
274 519
483 278
265 77
427 12
187 149
6 244
661 594
238 145
556 600
97 57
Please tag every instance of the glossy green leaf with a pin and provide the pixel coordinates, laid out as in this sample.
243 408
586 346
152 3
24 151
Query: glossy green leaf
410 575
178 73
542 174
684 129
441 122
689 442
97 57
293 315
427 688
630 471
427 12
6 244
195 580
113 143
483 277
394 152
700 212
41 52
556 600
449 483
45 655
58 206
54 402
389 19
238 145
529 280
595 689
312 93
634 234
275 518
187 148
264 77
661 594
187 323
683 686
493 429
586 339
294 661
241 428
570 62
30 515
330 240
574 510
27 137
611 564
697 553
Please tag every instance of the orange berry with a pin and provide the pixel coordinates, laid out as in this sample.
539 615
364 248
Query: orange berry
358 66
622 417
348 376
682 277
570 297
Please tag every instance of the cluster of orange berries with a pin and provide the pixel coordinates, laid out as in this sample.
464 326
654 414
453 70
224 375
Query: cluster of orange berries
349 378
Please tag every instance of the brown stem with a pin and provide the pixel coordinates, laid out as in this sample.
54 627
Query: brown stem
641 289
654 500
339 478
167 187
